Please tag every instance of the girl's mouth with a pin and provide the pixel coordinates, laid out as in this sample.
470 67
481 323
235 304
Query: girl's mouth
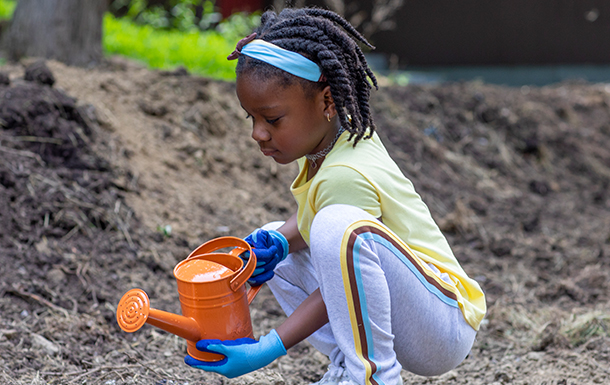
268 152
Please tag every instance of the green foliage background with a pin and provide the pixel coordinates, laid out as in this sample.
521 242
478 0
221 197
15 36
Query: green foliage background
174 14
6 8
169 38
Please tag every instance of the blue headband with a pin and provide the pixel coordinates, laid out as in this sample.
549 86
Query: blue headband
283 59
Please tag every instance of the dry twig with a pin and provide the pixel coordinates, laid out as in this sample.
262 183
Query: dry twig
17 290
28 154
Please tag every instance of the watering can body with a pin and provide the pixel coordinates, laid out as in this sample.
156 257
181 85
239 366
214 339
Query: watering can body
214 304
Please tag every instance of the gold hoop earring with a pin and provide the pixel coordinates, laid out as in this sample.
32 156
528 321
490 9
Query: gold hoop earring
328 117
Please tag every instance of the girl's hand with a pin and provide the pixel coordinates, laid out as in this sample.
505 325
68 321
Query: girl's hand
270 247
242 355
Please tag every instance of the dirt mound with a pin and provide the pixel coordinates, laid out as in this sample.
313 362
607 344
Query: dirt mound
113 174
58 192
64 224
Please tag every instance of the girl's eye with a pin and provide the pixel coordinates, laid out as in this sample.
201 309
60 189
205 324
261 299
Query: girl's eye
269 121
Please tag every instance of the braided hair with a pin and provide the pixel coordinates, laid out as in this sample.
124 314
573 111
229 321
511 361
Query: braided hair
323 37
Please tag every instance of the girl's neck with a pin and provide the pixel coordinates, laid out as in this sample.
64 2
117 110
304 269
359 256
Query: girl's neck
316 159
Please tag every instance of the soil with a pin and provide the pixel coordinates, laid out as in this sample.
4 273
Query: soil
111 175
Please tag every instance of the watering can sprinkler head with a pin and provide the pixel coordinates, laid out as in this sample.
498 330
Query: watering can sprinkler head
133 310
212 293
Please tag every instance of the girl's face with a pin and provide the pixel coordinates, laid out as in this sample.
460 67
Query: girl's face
287 124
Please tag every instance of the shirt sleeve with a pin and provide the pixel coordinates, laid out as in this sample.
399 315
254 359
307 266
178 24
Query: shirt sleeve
343 185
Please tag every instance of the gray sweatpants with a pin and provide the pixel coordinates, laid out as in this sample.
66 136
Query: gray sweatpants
382 312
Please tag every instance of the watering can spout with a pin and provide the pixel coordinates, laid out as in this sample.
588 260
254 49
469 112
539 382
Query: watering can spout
179 325
134 311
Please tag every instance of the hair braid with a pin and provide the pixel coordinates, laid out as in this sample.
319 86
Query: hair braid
330 41
296 39
332 16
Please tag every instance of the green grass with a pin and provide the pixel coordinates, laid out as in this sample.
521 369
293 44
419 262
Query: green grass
581 328
7 7
203 53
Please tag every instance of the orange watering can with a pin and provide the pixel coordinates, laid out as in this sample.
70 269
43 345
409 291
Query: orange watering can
213 298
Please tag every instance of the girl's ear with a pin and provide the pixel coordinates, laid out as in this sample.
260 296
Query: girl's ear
330 109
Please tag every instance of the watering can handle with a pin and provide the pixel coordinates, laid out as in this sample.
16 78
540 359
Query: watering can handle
239 246
247 271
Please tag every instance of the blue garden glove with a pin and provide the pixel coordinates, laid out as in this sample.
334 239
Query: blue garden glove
243 355
270 247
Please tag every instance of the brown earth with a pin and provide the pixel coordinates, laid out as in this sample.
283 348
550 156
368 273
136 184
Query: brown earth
114 174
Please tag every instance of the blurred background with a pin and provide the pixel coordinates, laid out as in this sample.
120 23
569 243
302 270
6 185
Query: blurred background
516 42
509 42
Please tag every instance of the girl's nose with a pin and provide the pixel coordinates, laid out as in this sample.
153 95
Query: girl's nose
259 133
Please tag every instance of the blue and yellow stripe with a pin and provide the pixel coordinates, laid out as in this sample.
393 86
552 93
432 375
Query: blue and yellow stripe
354 237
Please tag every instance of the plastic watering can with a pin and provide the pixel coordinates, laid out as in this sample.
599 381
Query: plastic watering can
213 298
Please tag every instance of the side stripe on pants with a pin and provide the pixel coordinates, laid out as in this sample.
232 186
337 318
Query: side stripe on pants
353 238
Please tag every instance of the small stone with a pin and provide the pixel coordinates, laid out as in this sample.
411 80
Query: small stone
39 73
535 356
5 80
152 109
40 342
56 276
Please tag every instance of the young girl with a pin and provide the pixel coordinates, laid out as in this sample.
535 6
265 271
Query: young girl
361 269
